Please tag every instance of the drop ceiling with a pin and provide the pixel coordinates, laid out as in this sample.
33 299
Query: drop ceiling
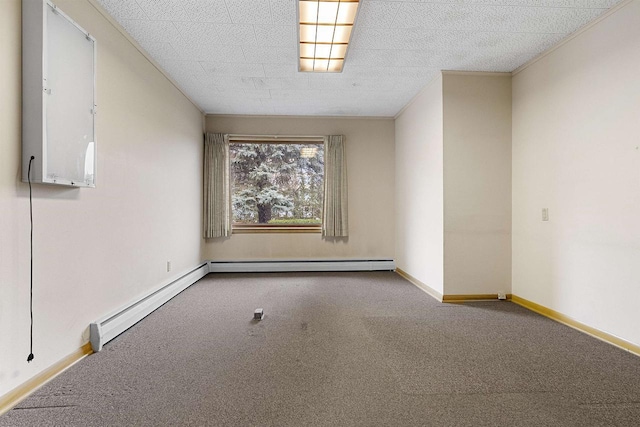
240 56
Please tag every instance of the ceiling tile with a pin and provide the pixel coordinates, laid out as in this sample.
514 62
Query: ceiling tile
257 94
163 10
380 83
284 12
297 82
206 11
270 54
599 4
151 31
249 11
223 83
182 68
276 35
436 16
208 52
585 15
198 33
364 57
236 35
395 38
399 73
123 9
294 93
532 3
233 69
377 14
160 50
285 70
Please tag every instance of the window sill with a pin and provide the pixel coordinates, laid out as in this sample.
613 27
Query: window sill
260 229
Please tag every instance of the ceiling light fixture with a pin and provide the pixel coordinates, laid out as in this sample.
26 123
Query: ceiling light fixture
324 33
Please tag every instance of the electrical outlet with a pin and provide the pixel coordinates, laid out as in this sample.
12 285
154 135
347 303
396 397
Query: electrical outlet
168 266
545 214
502 295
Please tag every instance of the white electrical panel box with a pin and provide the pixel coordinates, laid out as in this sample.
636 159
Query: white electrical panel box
58 97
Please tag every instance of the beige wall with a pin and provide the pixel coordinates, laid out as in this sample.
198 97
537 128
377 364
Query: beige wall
370 171
95 249
477 183
419 188
576 151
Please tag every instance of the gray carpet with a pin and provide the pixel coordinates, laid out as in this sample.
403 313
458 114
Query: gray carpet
340 349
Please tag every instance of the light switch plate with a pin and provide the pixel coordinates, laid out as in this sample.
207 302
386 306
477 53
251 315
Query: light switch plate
545 214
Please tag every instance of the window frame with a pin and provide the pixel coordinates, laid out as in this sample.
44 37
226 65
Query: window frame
280 228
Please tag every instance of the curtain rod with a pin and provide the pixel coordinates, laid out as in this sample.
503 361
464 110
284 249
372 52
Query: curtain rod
275 137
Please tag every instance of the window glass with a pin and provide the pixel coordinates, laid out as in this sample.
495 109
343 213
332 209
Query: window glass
276 184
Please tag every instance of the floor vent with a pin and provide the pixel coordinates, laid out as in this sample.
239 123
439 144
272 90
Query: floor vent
104 330
302 265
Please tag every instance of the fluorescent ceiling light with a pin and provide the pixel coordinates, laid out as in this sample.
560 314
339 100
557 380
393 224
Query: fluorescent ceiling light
325 30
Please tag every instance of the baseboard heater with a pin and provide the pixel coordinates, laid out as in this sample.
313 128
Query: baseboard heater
301 265
104 330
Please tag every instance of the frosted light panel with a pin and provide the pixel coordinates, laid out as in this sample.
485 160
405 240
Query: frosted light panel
347 13
323 50
327 12
325 30
342 34
338 51
324 34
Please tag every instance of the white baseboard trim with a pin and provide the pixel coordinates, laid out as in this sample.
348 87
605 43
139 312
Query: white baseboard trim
107 328
301 265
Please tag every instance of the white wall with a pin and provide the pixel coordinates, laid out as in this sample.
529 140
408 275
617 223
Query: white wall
369 147
576 151
95 249
419 188
477 183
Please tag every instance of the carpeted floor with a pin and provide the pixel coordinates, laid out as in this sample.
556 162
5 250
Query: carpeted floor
340 349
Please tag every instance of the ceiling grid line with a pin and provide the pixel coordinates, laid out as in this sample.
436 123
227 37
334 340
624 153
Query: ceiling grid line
143 12
395 16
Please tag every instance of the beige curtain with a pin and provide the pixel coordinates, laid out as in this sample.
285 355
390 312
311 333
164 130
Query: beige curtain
217 198
334 213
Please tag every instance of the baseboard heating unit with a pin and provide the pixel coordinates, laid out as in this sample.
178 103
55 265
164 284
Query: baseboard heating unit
301 265
104 330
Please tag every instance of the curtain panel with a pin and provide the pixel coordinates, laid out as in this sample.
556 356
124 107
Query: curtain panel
334 212
217 197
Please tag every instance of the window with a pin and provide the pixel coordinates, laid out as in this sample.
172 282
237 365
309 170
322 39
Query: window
276 186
